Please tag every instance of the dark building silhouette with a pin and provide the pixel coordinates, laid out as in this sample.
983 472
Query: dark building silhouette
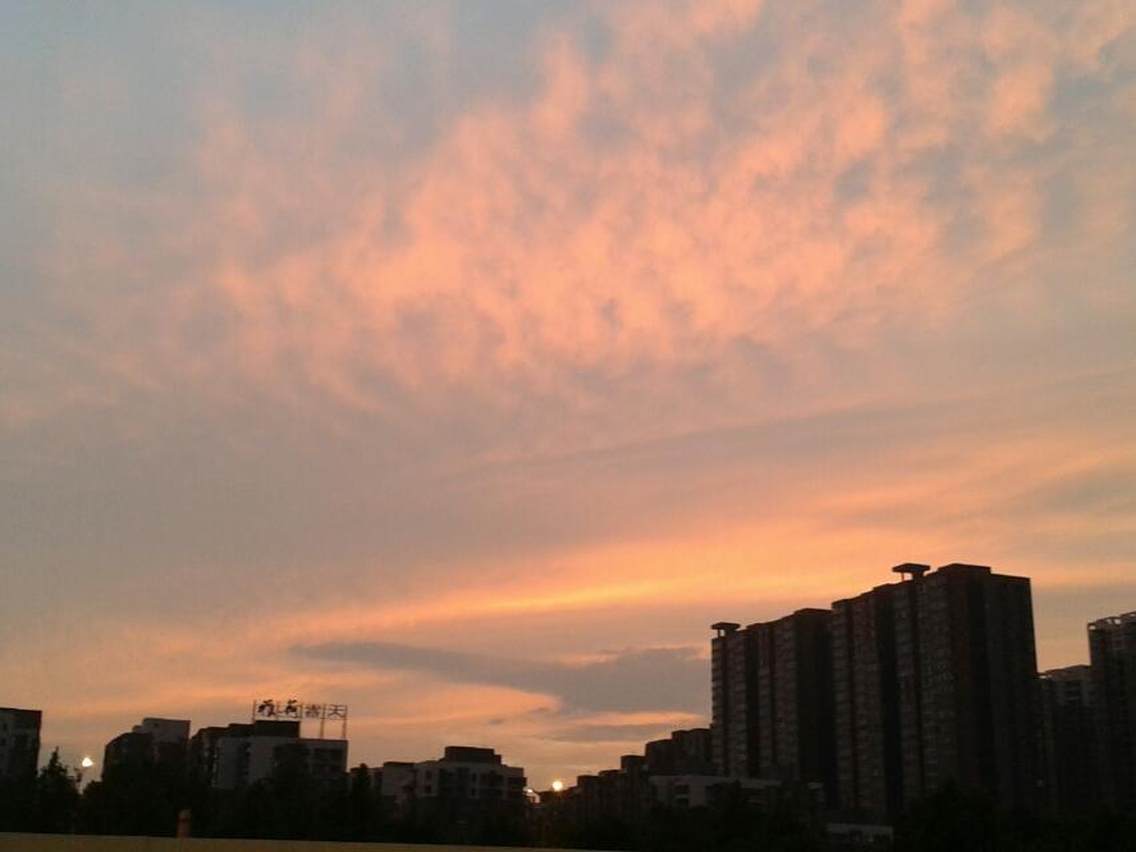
731 688
19 743
128 749
1070 746
202 753
676 773
889 696
683 753
394 781
967 672
771 696
866 700
1112 650
154 742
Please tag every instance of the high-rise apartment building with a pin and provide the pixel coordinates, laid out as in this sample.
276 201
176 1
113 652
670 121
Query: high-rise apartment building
966 669
1112 651
730 690
934 681
771 698
19 742
1070 746
866 700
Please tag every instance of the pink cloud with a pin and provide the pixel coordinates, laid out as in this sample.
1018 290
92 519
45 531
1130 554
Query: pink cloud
670 252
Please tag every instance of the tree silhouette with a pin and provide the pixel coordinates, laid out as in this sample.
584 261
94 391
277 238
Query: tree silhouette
56 805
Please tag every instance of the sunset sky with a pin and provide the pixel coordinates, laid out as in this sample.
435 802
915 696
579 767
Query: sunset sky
463 361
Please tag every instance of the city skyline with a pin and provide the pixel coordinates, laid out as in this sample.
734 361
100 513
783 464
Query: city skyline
815 689
461 362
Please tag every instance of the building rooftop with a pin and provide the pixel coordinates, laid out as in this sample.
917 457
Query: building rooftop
471 754
1067 673
963 567
915 569
1113 621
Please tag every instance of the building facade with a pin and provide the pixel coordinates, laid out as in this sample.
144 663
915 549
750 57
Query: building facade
243 753
686 752
700 791
966 668
771 697
731 687
395 781
866 703
1112 652
19 742
888 696
467 773
467 792
1070 746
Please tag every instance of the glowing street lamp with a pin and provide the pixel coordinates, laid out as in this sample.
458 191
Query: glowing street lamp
557 786
86 762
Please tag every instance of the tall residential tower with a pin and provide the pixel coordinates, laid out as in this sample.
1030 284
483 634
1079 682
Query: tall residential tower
967 672
1112 650
1069 740
771 697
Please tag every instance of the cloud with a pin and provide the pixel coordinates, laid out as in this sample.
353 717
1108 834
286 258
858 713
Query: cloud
618 733
631 207
627 681
548 326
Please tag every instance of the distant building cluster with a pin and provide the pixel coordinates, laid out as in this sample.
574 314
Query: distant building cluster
1088 723
861 709
853 713
226 758
678 772
465 784
887 696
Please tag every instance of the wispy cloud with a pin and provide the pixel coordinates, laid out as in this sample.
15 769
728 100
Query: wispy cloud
627 681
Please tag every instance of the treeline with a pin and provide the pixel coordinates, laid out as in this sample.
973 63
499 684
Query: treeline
950 821
955 820
147 800
730 823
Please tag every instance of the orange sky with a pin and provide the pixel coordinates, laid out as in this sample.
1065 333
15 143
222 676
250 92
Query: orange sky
463 361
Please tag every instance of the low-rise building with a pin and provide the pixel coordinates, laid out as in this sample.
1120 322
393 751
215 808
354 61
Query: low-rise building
469 774
155 742
686 752
241 754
